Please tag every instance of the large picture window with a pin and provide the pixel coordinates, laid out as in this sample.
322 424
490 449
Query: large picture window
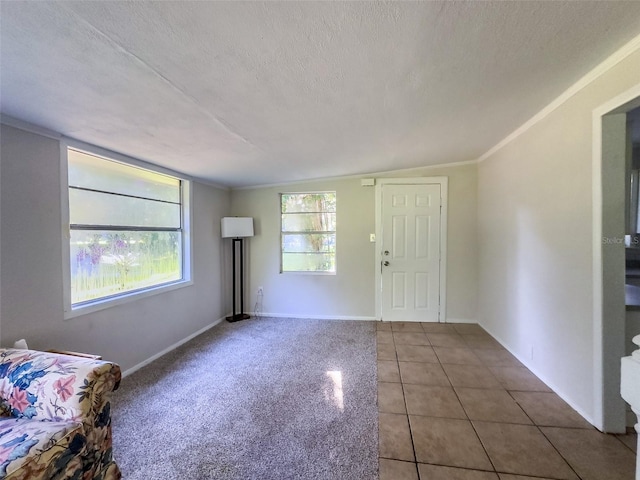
126 228
308 232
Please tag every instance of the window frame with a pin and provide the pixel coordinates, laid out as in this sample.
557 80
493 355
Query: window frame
71 311
335 233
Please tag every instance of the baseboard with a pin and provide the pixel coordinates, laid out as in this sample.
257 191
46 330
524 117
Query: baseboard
146 362
631 418
461 320
542 377
314 317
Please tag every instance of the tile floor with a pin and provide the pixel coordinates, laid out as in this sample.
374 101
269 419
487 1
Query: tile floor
455 405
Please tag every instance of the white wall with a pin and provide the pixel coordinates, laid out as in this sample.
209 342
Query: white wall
535 232
351 292
31 268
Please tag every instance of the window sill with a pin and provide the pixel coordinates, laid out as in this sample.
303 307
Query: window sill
122 299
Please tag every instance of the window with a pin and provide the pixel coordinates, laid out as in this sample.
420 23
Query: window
308 232
127 228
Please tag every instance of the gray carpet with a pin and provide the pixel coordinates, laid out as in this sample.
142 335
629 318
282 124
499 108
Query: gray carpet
253 400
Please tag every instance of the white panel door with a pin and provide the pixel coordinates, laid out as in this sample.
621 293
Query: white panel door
411 253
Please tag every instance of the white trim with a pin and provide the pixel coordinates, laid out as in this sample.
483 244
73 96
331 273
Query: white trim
302 272
423 167
335 233
377 256
596 269
65 229
103 304
170 348
444 195
543 378
359 176
586 80
187 236
597 265
187 248
444 235
461 320
312 317
28 127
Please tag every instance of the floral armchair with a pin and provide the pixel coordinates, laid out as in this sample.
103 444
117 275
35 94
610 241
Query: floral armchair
55 416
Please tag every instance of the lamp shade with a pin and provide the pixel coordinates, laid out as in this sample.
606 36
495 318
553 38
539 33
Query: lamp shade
235 227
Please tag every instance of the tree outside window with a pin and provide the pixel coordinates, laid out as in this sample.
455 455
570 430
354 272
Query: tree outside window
308 232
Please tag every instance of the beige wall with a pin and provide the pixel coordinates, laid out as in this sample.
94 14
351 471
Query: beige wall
31 269
535 236
351 292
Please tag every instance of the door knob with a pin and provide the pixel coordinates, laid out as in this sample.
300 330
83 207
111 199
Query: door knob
385 263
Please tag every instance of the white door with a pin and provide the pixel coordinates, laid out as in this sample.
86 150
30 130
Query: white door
410 248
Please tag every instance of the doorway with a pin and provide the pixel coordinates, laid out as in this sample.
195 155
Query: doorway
411 255
611 202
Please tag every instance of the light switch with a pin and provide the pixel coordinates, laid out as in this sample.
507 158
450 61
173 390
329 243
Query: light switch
372 237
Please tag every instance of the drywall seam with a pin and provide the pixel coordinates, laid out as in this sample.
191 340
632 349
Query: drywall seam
166 80
170 348
585 81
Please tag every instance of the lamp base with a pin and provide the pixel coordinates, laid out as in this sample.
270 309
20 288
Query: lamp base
238 316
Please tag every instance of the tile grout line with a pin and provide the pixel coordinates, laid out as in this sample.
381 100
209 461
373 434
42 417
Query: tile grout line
503 387
620 440
533 423
558 451
406 409
472 425
469 347
415 459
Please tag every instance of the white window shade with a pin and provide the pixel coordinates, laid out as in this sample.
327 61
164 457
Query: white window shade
127 229
235 227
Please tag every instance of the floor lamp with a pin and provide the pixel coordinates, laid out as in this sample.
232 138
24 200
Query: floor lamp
237 228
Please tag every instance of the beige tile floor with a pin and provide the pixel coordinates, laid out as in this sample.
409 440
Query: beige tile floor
455 405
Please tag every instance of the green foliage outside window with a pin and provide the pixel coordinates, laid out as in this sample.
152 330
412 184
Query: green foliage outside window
109 263
308 222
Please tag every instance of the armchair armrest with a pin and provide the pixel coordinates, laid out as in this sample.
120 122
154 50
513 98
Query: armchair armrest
55 387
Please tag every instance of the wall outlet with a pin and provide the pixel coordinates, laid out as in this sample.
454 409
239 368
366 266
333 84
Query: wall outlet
260 291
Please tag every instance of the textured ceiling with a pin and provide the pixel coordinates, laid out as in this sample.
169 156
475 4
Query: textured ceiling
242 93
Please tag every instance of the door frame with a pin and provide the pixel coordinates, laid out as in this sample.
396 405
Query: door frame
444 194
608 336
